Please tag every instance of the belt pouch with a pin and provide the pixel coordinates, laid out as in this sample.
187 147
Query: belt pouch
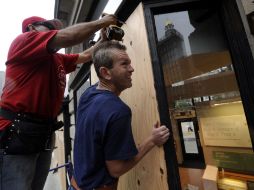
24 137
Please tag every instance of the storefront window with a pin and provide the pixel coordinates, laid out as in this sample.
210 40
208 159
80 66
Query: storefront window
206 111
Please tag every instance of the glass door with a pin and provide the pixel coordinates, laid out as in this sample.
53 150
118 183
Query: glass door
205 106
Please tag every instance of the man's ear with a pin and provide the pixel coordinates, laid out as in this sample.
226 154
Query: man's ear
105 73
31 27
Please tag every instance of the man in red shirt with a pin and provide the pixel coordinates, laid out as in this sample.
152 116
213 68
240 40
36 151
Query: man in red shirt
33 93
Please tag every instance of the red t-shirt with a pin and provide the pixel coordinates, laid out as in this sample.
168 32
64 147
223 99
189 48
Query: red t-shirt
35 79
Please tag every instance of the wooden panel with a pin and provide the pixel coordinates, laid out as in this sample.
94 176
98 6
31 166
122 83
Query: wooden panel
142 100
150 173
194 65
215 84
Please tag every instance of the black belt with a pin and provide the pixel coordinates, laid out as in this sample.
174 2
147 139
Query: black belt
10 115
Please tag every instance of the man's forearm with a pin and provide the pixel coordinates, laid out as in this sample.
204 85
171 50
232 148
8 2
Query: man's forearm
143 149
160 135
86 55
119 167
75 34
78 33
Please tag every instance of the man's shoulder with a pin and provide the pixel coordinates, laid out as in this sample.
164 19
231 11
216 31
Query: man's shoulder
20 39
111 99
26 35
116 106
33 34
103 98
24 39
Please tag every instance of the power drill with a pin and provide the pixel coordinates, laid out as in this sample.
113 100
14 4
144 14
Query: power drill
114 32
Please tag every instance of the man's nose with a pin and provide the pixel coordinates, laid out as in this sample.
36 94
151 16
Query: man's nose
131 69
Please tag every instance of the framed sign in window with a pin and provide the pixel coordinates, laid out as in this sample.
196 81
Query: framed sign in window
228 131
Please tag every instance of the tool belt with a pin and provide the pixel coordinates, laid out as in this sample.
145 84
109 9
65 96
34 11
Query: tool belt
27 134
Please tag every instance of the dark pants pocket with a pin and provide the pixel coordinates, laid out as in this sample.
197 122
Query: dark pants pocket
25 144
26 138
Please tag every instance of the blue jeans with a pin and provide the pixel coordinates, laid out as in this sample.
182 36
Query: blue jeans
24 172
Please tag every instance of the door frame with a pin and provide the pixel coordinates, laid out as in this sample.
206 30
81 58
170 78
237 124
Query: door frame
242 61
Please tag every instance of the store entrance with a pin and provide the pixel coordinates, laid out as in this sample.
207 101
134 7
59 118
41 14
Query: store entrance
190 143
202 92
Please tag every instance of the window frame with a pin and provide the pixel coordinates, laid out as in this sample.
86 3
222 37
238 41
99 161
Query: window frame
242 60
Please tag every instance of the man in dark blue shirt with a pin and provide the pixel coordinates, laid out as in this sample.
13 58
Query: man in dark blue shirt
104 148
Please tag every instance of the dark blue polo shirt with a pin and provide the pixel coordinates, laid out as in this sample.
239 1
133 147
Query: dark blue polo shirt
103 132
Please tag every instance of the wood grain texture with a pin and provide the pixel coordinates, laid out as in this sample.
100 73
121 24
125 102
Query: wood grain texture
150 173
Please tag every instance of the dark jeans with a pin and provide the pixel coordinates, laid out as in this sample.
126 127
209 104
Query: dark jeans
24 172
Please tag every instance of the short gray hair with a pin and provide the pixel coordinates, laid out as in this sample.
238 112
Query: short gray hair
103 55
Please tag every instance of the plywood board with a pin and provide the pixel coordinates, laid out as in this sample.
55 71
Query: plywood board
227 131
150 173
